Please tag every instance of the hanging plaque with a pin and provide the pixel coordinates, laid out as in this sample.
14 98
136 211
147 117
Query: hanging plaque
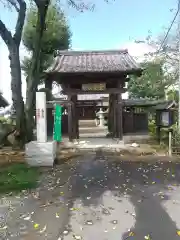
94 87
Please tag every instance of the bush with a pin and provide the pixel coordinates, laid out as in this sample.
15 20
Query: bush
3 120
165 133
152 128
175 135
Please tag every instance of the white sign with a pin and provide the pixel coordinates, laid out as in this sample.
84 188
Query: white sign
165 118
41 119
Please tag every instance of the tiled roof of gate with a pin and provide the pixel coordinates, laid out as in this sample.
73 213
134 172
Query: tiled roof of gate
94 61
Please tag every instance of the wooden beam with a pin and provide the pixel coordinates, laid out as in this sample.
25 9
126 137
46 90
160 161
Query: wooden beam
80 92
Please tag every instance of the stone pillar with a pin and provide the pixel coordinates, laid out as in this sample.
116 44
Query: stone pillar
41 117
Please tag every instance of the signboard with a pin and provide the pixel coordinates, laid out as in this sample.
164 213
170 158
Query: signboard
94 87
57 136
165 119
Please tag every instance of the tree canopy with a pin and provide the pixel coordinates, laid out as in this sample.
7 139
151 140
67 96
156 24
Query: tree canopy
57 36
153 82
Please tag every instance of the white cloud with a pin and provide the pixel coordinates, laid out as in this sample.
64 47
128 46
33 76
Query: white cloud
140 50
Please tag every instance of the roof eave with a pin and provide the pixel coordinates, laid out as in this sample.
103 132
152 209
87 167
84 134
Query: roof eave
137 71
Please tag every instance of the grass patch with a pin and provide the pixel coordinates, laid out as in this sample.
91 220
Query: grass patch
17 177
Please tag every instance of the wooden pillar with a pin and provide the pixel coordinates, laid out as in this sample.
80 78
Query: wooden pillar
111 114
70 119
119 111
75 127
114 115
48 84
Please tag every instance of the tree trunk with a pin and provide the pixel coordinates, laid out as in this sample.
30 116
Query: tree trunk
16 87
33 77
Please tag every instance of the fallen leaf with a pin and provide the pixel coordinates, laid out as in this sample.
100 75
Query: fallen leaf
43 230
147 237
36 225
178 232
27 218
3 228
131 234
74 209
77 237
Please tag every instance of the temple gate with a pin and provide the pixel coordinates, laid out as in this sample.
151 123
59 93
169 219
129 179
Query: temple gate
93 72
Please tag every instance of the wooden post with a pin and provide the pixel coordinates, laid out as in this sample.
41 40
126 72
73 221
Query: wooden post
119 108
112 115
75 127
158 134
48 84
170 143
70 127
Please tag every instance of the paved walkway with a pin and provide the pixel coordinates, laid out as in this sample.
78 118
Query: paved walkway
97 198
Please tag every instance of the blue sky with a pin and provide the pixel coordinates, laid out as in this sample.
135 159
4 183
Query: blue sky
113 24
109 26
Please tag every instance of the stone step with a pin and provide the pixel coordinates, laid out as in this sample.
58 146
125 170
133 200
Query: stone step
93 130
87 123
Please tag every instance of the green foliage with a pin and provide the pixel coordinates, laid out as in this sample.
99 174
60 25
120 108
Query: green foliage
3 120
164 133
152 83
57 36
173 95
176 135
152 128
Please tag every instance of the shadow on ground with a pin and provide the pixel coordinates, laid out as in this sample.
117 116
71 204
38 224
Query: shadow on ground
147 185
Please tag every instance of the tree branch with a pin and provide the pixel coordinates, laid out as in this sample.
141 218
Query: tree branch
13 3
81 6
20 21
5 34
38 3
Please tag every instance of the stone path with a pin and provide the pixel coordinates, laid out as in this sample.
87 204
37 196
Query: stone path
97 198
